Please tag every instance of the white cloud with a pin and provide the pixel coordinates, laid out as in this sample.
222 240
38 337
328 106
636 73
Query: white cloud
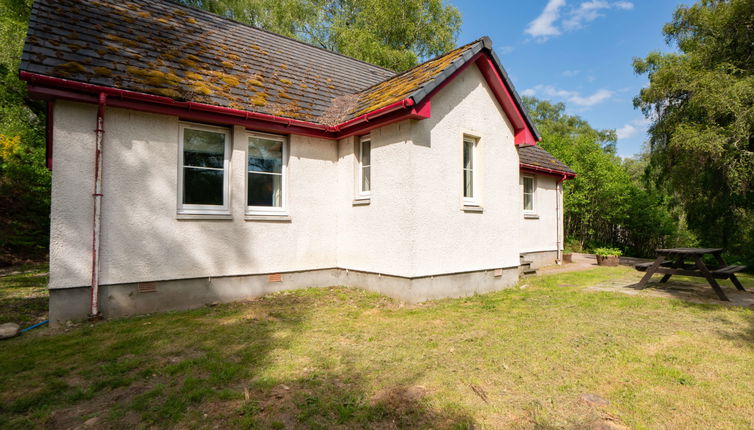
571 73
573 97
626 131
632 128
546 25
596 98
543 26
625 5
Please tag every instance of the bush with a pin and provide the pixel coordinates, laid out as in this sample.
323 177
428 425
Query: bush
608 252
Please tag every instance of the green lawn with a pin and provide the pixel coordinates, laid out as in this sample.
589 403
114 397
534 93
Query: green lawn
23 295
345 358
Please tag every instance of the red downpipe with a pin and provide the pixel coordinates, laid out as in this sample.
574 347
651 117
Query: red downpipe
97 207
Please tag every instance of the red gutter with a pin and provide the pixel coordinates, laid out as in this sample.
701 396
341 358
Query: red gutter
44 80
402 104
51 88
545 170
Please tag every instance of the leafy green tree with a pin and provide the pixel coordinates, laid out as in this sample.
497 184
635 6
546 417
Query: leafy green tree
395 34
24 179
609 202
701 101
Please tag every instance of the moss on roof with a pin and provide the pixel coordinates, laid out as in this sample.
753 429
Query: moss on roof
159 47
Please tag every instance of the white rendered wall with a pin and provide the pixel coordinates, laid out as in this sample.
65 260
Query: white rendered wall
141 238
378 237
414 224
541 233
446 238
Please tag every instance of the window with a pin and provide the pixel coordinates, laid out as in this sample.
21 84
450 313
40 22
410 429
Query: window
203 174
528 194
266 171
469 153
365 166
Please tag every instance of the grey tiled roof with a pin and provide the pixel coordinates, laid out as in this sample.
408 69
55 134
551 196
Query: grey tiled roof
163 48
535 155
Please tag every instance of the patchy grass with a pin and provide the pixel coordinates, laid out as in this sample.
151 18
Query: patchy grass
23 295
344 358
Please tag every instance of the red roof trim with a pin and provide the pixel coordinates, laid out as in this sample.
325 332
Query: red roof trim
50 88
545 171
523 135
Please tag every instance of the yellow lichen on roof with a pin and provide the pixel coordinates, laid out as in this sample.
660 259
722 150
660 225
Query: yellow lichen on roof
401 86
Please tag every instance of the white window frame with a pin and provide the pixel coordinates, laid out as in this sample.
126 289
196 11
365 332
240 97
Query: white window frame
360 193
472 200
282 210
212 210
533 210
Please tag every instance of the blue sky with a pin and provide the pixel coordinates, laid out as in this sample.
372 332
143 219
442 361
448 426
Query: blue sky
576 51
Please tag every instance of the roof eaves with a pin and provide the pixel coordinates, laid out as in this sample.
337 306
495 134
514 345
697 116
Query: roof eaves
483 43
426 89
516 97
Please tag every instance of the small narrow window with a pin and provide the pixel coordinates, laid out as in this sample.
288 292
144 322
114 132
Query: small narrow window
365 166
266 173
528 194
203 175
469 150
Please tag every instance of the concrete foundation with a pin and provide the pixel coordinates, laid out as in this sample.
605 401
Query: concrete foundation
72 304
540 258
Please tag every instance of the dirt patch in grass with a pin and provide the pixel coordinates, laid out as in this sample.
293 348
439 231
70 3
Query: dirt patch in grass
98 407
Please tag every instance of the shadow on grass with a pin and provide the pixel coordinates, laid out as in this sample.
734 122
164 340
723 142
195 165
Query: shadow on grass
233 365
700 296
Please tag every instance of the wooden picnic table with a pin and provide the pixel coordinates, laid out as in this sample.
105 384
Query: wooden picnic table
674 261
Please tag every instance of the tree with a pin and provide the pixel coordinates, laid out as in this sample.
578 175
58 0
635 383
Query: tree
701 102
24 180
608 203
395 34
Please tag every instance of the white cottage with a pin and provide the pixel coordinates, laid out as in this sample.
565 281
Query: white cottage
196 159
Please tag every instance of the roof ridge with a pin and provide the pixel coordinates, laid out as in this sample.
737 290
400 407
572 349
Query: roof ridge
202 11
466 46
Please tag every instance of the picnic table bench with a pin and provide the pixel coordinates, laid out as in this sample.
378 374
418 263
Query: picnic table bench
673 261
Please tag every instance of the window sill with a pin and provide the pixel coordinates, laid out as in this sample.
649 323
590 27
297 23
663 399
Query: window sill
204 216
469 208
362 201
283 217
531 216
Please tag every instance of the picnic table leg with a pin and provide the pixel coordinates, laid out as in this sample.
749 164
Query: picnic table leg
678 263
736 282
733 277
651 271
700 265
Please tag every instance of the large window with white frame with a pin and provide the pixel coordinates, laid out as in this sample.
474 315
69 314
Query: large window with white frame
529 190
266 167
365 166
470 188
203 174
